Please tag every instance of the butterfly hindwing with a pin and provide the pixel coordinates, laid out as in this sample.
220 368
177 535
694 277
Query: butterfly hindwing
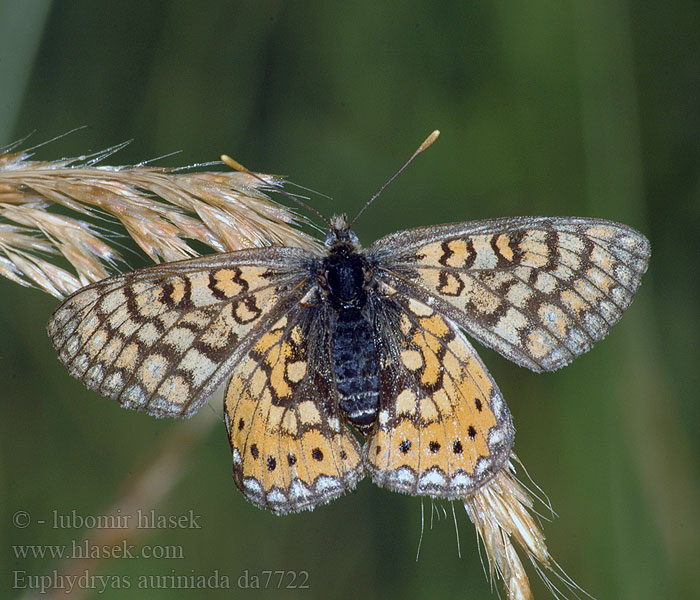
443 428
539 290
161 339
291 448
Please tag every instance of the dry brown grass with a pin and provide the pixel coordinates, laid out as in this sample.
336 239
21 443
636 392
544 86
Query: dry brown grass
52 214
505 519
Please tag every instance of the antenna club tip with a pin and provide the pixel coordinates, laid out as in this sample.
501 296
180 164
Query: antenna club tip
429 140
234 164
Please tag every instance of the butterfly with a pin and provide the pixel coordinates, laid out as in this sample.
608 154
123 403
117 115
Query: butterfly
317 344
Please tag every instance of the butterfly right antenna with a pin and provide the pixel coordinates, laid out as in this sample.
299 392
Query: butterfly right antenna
424 146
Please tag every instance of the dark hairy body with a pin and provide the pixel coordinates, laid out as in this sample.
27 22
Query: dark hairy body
354 355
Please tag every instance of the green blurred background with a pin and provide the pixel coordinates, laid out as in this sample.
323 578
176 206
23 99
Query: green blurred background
588 107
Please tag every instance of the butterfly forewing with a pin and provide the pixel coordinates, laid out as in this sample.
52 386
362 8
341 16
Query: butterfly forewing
291 448
163 338
539 290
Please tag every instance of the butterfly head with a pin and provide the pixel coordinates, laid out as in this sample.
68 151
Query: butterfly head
340 233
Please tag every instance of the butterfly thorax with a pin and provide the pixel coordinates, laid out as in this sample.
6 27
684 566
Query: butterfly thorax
344 271
345 283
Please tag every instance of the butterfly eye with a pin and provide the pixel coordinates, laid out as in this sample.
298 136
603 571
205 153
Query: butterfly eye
331 238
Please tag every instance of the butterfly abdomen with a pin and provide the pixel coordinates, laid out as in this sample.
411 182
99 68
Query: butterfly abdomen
355 368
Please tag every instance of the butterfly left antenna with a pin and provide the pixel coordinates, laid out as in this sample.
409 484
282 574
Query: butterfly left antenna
427 142
236 166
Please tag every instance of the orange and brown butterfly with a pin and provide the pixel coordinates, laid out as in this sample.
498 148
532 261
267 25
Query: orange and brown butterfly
316 345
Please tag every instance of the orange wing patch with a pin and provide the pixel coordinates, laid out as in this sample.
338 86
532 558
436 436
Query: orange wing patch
291 451
444 428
